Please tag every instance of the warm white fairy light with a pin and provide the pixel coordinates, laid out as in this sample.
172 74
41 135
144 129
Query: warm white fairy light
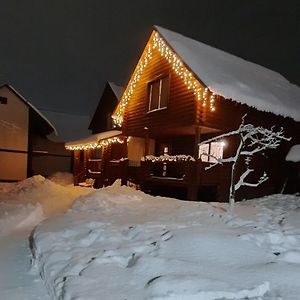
96 145
168 158
157 43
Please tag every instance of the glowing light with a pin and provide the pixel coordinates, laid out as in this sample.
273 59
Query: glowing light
95 145
223 144
156 43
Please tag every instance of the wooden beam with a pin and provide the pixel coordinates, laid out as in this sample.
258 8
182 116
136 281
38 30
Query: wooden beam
197 141
147 142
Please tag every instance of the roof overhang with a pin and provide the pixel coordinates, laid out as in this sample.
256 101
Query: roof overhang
95 140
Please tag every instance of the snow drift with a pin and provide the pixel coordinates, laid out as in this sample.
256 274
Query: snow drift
27 203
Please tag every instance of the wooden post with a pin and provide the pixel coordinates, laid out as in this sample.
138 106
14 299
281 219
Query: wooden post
194 183
124 164
76 166
146 141
87 155
197 141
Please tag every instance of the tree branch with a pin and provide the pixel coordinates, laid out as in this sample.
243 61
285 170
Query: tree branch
241 181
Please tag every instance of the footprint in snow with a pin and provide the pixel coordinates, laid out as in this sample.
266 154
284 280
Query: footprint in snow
132 232
166 235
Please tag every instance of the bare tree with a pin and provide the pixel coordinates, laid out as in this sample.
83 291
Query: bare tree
253 140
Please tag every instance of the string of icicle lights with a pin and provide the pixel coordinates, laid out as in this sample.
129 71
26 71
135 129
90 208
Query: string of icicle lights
96 145
157 43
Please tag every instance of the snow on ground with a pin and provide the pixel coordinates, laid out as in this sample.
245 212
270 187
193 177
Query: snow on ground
26 203
118 243
22 206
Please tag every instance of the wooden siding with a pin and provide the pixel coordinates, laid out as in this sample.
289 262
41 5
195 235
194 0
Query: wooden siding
183 110
14 127
226 116
179 112
14 122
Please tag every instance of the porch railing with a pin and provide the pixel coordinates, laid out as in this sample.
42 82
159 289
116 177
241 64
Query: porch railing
182 171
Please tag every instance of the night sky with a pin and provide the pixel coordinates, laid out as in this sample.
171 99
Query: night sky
59 54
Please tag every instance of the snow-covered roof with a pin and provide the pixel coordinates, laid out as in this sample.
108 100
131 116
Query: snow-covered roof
118 90
235 78
69 126
94 138
31 106
294 154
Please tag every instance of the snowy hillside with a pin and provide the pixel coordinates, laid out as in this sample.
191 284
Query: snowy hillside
118 243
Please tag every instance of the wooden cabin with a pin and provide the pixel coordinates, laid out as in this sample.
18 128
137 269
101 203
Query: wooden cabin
20 124
98 159
183 92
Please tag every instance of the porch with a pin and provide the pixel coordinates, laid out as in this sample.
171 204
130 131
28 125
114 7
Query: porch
171 164
100 159
186 180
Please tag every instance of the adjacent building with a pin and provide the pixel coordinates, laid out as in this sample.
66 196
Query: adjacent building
25 149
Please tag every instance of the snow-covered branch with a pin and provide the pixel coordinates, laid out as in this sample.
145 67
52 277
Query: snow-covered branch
242 182
217 160
219 137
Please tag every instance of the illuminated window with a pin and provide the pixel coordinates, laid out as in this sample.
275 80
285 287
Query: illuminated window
214 148
203 149
158 93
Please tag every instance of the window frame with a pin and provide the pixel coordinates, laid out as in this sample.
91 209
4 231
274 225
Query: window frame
209 159
3 100
149 93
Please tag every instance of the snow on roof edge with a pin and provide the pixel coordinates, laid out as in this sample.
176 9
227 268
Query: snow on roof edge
117 89
94 138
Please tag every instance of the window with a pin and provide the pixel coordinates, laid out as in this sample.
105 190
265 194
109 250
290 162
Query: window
216 149
96 154
213 148
3 100
158 93
202 150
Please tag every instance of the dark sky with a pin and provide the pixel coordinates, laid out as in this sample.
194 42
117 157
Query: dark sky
59 53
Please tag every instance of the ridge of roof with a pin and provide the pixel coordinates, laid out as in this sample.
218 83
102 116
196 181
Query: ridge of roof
30 105
117 89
